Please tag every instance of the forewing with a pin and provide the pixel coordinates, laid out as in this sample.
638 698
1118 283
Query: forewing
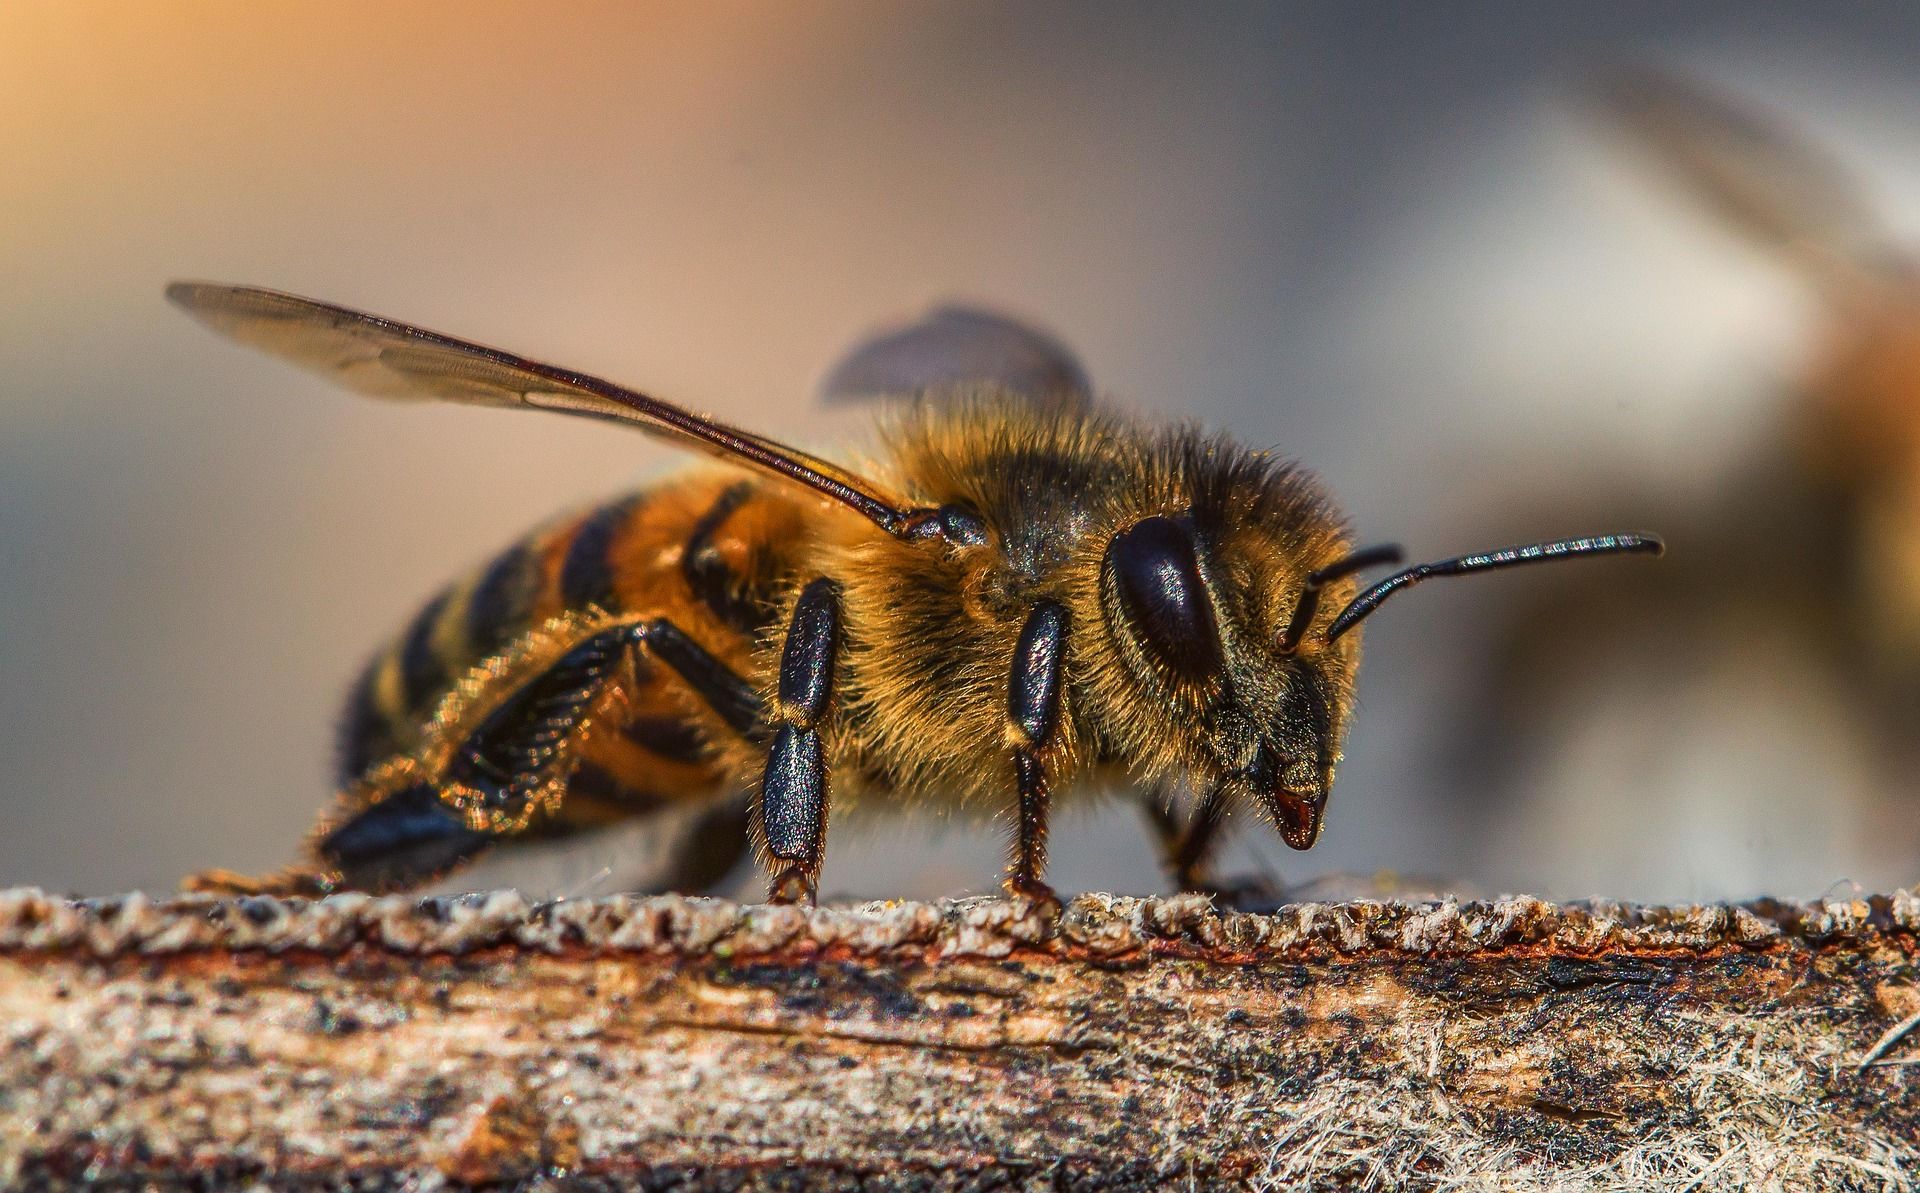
386 359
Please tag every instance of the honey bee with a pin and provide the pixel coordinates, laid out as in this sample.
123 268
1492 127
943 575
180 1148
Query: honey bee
1027 596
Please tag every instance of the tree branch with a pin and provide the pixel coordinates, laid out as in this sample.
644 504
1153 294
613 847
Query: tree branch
696 1044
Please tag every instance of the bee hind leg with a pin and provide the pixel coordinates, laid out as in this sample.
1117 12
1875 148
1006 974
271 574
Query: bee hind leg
293 881
408 838
509 773
400 840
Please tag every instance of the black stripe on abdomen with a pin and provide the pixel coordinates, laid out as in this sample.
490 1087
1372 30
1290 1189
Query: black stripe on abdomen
671 738
502 601
708 577
423 674
586 577
365 736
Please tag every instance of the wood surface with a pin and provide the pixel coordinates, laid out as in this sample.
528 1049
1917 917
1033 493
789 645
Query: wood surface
701 1045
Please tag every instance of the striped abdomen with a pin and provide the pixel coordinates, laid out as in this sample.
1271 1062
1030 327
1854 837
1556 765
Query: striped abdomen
703 551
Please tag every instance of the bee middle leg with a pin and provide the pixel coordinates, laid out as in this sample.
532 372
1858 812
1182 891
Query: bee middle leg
1033 713
512 758
711 851
793 794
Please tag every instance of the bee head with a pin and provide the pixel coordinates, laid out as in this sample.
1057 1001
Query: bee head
1204 633
1240 670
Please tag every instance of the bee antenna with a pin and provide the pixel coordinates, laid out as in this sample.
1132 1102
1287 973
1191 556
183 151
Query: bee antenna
1506 557
1316 580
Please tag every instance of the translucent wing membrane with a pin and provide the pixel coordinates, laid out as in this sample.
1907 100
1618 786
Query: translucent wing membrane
957 346
385 359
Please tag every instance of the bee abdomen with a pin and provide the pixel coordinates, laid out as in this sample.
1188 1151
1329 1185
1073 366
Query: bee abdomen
366 733
423 666
669 737
470 622
702 553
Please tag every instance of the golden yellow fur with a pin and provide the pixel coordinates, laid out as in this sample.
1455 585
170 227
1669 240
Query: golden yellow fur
931 633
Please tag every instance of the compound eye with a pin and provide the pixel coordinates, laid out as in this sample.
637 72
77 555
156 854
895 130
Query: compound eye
1158 578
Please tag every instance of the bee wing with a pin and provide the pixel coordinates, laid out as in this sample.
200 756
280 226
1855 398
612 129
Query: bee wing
387 359
1775 186
958 346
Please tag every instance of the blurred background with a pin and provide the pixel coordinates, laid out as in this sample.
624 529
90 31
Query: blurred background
1408 246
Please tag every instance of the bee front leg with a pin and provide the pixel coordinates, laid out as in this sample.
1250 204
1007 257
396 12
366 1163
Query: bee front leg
1033 713
1189 849
793 795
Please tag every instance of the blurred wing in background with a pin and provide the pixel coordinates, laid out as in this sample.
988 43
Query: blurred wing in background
957 346
386 359
1773 185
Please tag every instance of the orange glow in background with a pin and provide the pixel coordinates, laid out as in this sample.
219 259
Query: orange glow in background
1388 247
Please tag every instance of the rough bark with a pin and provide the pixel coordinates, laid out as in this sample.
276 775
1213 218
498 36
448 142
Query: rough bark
696 1044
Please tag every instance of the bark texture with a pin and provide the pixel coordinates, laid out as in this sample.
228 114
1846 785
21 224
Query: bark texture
696 1044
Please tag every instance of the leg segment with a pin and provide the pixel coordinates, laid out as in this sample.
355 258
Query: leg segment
711 850
793 796
1187 849
510 761
1026 871
1033 713
722 688
521 747
409 838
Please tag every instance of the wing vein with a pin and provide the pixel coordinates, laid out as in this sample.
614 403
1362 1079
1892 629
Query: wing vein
385 358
